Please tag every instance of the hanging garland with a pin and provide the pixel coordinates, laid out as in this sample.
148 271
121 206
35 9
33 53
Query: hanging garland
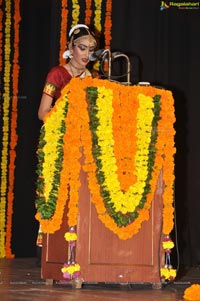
10 70
88 12
55 132
1 36
2 205
127 149
13 126
152 148
122 204
97 25
108 24
86 136
133 228
5 124
97 16
75 12
107 28
63 29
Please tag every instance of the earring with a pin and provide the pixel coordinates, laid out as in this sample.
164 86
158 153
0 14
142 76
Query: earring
67 54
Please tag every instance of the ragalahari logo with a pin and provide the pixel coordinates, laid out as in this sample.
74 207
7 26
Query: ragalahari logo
164 5
179 5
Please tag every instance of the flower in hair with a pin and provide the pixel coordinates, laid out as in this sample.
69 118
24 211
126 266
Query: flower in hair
67 54
77 27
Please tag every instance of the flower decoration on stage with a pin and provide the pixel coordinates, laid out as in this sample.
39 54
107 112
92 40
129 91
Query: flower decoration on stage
50 156
192 292
121 131
71 270
167 272
168 244
9 70
123 204
71 237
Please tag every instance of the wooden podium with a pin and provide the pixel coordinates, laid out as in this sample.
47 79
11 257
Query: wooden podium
102 255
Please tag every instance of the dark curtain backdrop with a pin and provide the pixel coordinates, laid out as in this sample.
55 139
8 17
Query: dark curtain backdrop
164 49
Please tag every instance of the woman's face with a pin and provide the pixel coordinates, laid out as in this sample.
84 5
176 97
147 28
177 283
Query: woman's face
81 50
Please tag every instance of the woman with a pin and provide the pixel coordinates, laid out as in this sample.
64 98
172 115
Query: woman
81 44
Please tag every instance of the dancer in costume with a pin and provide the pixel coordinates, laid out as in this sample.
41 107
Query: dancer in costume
81 44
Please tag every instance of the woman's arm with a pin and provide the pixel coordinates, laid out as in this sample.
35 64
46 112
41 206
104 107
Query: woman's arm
45 106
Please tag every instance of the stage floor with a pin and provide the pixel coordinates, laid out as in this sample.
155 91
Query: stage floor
20 280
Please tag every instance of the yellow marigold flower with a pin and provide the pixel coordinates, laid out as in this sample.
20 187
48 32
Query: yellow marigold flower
70 236
168 244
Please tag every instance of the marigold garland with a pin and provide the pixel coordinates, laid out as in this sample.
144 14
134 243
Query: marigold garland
13 126
88 12
63 29
2 206
122 232
77 125
76 143
108 24
97 15
97 25
75 12
5 124
74 152
124 148
51 222
107 28
1 36
119 202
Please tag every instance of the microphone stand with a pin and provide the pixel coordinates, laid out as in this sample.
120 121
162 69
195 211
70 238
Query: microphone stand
112 56
117 55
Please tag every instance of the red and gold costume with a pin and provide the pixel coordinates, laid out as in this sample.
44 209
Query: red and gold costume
56 79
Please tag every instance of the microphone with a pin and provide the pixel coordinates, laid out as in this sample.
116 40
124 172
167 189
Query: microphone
116 54
97 54
100 53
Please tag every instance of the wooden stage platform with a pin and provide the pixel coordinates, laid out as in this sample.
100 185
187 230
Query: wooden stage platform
20 280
